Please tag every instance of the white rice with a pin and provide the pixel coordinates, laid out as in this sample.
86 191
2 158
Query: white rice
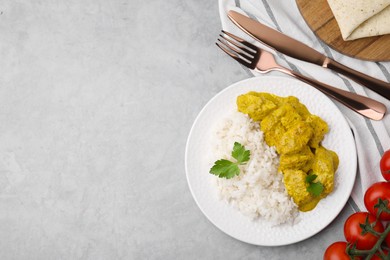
258 191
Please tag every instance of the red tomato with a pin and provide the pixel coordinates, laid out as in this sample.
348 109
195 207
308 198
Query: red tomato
379 190
377 255
336 251
387 240
385 165
353 231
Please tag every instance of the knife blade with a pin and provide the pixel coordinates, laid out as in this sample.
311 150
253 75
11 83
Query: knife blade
296 49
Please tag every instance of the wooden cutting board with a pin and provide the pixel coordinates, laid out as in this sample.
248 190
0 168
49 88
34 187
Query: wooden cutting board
320 19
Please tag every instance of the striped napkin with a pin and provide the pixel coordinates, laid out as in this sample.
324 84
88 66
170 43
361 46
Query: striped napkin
372 138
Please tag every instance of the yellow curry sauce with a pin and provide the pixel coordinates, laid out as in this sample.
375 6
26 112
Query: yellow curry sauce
296 134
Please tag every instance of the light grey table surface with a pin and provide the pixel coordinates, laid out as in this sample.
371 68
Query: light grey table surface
97 100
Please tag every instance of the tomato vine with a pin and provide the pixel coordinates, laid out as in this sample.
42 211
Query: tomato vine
367 234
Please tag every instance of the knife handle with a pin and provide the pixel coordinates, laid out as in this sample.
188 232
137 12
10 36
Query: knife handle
363 105
379 86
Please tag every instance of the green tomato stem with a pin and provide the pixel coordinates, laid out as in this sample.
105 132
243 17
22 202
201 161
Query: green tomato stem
377 247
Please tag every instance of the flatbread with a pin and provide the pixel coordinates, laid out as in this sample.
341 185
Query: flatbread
361 18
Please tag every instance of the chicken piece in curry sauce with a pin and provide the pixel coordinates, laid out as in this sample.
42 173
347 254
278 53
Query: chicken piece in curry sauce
296 134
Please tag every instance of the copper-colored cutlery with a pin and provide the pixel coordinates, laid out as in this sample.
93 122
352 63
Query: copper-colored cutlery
263 61
298 50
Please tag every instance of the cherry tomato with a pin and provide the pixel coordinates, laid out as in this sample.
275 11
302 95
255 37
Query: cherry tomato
387 239
353 231
379 190
336 251
385 165
377 255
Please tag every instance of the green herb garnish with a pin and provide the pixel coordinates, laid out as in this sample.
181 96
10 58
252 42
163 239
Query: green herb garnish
314 188
227 169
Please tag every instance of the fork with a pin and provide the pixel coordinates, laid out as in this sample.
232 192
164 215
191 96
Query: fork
263 61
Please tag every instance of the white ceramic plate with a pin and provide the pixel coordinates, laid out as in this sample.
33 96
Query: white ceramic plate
223 215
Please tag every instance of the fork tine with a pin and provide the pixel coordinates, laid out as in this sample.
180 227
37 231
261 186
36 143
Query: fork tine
242 41
234 55
237 49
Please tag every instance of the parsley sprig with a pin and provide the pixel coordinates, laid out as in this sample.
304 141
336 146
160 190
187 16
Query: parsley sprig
314 188
227 169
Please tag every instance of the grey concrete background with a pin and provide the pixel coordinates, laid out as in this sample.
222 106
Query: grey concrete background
96 101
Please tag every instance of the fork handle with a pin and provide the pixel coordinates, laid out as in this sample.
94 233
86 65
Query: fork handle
363 105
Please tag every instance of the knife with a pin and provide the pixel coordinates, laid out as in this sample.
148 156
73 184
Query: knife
296 49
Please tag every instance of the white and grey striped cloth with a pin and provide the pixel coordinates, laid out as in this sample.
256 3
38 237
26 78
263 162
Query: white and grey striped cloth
372 137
